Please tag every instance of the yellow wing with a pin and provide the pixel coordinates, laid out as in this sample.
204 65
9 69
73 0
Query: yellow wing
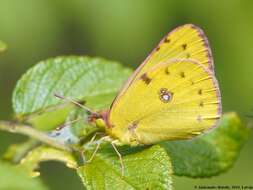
173 100
186 41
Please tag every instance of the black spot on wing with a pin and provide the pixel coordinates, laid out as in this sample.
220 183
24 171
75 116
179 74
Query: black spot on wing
184 46
167 72
145 78
167 40
182 74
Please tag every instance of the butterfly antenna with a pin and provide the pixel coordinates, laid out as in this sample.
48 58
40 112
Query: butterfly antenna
77 103
68 123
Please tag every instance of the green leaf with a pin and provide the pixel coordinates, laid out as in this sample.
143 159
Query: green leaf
209 154
44 153
16 152
3 46
14 178
81 128
146 169
48 118
94 80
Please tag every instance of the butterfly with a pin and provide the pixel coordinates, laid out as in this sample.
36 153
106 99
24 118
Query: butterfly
172 95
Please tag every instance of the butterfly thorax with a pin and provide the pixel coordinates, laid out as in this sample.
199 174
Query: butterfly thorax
101 120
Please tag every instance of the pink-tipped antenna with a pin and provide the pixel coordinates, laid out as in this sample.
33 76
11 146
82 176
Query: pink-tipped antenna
74 102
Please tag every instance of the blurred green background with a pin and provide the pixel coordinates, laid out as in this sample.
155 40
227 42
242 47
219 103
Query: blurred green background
127 31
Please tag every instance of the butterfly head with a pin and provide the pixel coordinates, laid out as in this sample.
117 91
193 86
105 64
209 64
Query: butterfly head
100 119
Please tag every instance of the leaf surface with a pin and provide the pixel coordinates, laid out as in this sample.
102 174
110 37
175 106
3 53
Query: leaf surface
14 178
43 153
94 80
209 154
146 169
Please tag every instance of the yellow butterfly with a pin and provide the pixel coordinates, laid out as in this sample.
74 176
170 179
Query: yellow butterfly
172 95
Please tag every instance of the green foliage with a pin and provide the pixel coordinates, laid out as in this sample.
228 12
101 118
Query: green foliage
94 80
14 178
44 153
80 128
97 81
209 154
16 152
146 169
3 46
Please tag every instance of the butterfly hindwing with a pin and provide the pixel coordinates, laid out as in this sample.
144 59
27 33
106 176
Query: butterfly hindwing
172 100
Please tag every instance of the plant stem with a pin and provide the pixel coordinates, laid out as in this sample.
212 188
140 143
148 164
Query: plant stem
33 133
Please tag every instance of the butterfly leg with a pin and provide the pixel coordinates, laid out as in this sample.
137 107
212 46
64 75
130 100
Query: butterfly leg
94 137
94 153
120 158
97 147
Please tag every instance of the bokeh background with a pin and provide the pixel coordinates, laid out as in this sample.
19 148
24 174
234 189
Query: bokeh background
127 31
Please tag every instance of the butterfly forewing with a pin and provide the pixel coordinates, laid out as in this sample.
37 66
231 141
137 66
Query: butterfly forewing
172 100
186 41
